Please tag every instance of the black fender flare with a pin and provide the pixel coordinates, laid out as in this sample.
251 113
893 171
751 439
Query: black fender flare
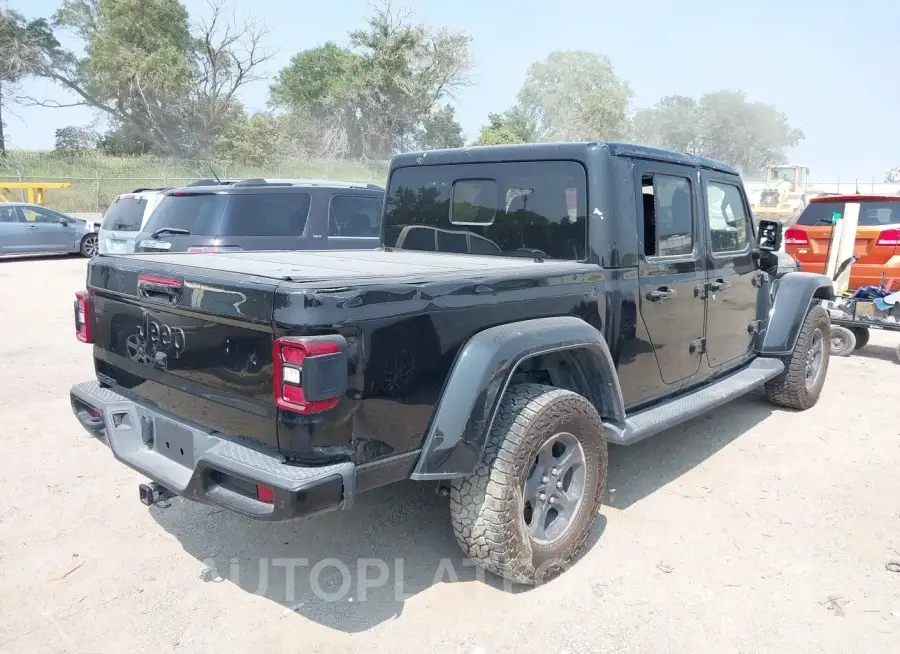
794 293
459 429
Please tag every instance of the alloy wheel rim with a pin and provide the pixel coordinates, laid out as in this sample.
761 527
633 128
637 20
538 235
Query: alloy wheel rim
554 489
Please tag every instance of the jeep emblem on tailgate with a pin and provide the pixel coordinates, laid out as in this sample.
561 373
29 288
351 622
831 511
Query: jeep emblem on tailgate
154 342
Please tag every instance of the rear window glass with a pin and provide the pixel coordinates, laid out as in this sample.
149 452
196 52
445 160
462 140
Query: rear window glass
125 215
507 209
354 215
871 214
199 214
269 214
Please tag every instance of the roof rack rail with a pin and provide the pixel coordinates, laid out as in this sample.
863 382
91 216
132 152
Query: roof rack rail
144 190
213 182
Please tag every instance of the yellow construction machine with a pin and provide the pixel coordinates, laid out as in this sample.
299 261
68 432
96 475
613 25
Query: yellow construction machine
784 194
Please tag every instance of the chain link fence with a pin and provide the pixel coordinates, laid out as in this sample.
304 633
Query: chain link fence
95 180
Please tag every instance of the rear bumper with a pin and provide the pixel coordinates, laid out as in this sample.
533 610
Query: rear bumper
206 467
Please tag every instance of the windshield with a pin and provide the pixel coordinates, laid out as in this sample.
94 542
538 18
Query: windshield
871 214
514 209
198 214
125 215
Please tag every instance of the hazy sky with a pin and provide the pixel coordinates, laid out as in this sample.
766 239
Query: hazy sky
828 64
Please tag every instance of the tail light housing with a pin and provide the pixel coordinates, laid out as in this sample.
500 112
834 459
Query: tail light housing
198 249
83 317
796 237
309 372
889 237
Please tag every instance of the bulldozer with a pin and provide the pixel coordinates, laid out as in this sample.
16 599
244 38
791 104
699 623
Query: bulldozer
784 195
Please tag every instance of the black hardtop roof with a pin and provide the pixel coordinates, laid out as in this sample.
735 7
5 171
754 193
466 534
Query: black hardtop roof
578 151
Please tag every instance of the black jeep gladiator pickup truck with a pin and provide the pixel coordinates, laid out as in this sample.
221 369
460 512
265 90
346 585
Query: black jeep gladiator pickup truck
529 305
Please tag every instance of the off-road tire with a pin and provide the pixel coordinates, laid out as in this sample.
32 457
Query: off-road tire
789 388
862 337
487 508
842 341
86 250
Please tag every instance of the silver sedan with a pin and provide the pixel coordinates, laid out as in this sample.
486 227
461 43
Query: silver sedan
34 229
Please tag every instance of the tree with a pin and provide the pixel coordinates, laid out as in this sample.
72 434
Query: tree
157 79
75 139
441 130
576 95
510 127
382 93
722 125
24 46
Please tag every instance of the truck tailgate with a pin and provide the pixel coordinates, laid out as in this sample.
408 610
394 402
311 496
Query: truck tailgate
196 342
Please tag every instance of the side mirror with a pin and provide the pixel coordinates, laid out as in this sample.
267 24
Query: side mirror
769 235
64 222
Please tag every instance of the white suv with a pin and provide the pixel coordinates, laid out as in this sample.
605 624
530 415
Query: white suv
125 218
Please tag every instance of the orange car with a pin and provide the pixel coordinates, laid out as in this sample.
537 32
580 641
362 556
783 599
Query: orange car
877 237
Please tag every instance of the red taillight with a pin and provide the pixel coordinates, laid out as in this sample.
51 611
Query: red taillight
889 237
796 237
265 494
290 356
198 249
83 317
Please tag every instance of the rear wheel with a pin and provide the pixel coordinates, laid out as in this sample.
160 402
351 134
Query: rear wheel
800 385
528 508
89 246
842 341
862 337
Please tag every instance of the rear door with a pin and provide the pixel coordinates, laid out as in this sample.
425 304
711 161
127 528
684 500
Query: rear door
181 221
13 231
816 224
354 221
194 341
122 223
733 272
671 268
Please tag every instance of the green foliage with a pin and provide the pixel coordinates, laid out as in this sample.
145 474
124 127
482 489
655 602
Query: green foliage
75 139
384 92
440 130
723 125
510 127
576 95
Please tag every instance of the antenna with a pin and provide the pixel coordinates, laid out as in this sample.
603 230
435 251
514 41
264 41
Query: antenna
213 171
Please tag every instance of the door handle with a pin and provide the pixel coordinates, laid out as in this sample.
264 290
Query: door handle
32 227
719 285
661 294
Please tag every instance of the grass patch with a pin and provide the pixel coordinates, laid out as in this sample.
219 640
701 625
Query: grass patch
97 178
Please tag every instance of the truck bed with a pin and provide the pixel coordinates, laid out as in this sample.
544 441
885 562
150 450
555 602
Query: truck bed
339 267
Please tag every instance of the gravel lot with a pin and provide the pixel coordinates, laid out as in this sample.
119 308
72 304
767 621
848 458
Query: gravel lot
752 530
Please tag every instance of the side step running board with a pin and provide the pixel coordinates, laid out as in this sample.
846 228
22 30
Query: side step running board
655 419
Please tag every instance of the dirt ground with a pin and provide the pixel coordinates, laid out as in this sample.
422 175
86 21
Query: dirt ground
751 530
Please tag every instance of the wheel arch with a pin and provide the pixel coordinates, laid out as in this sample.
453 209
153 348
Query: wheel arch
565 352
795 292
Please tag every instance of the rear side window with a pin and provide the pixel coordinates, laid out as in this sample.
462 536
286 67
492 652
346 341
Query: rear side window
668 215
871 214
354 215
199 214
528 208
266 214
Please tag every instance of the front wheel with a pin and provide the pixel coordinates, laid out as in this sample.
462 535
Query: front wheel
800 384
528 508
89 246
